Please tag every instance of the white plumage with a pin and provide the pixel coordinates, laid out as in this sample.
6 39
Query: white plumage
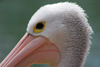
67 28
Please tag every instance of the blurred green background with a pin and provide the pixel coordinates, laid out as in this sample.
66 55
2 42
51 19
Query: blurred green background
15 14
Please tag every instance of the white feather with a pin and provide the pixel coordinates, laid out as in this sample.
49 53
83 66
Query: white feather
67 28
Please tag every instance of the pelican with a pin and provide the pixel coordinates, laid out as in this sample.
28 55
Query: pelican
57 34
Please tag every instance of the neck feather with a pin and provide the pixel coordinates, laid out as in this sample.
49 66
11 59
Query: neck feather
77 43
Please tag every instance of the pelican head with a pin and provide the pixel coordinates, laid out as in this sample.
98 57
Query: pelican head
57 34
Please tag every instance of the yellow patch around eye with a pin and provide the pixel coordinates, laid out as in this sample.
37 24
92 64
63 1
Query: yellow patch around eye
39 27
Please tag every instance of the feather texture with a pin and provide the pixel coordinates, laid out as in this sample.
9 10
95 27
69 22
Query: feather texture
68 28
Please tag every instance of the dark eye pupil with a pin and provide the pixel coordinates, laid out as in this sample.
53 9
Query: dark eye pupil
40 26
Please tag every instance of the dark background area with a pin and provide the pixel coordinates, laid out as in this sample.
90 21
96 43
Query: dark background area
15 14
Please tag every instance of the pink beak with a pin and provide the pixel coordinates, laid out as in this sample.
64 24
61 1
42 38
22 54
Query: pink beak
32 50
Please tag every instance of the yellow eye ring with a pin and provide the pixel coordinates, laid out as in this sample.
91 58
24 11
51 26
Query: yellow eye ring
39 27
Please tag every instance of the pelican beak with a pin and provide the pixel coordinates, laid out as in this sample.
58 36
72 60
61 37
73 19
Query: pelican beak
32 50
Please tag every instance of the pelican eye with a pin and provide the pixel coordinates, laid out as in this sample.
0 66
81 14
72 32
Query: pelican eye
39 27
